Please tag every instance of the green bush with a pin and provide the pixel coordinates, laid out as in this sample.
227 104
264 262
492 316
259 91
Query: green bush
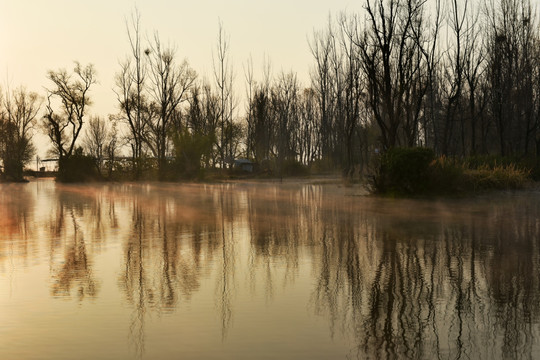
527 164
415 171
77 168
497 178
403 171
288 167
190 151
446 176
294 168
489 161
322 166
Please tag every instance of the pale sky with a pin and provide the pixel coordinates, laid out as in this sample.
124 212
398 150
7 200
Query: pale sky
41 35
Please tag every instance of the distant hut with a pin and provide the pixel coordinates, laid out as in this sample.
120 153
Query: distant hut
50 164
244 165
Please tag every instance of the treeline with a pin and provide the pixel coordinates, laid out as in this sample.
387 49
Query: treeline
19 110
459 77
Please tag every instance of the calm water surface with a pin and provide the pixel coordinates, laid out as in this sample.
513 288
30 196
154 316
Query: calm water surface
265 271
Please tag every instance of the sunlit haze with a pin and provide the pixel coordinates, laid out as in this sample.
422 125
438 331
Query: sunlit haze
37 36
348 179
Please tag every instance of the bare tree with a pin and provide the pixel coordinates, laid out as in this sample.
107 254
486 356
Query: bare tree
250 88
224 76
308 149
64 124
18 112
111 147
96 139
474 76
285 103
200 122
354 92
513 36
170 85
260 122
453 75
390 56
429 46
130 92
203 117
261 131
322 48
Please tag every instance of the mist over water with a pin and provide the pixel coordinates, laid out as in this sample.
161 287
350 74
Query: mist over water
253 270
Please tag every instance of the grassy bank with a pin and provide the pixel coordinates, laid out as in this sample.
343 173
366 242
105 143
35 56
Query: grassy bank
418 172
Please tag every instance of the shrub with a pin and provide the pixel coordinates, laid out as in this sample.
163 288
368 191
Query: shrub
496 178
415 171
322 166
190 150
294 168
77 168
403 171
486 161
288 167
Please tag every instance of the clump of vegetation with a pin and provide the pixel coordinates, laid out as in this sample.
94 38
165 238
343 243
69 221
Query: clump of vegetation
527 164
18 112
403 171
323 166
191 150
77 168
499 177
446 175
291 167
416 171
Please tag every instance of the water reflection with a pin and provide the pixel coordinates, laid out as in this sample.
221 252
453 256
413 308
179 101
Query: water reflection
16 230
70 262
164 255
75 270
398 278
462 286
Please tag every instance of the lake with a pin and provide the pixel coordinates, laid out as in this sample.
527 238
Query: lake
265 271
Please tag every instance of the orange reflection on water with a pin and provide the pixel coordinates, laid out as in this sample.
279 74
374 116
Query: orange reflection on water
290 270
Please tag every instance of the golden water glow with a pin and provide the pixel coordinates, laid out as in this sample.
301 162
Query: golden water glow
264 270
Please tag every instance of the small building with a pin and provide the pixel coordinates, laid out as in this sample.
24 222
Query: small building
49 164
244 165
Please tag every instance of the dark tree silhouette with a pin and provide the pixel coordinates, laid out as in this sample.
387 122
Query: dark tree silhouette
18 112
64 124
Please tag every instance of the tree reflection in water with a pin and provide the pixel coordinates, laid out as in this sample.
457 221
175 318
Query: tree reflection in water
275 232
173 240
399 278
72 270
75 270
452 279
225 286
439 287
16 228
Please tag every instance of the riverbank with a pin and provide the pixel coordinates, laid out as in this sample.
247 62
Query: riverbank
356 187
